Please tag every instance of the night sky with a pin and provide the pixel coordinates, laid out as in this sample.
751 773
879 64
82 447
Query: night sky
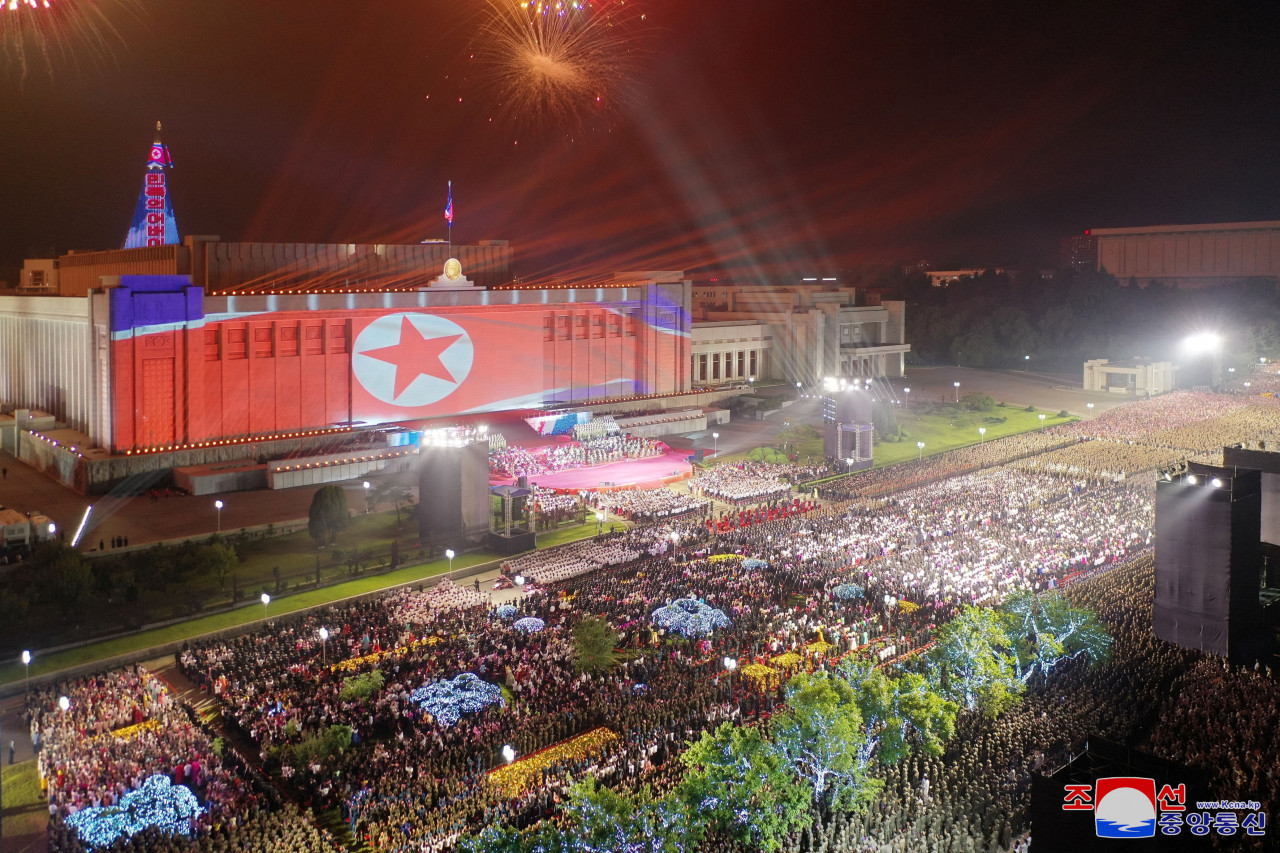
759 135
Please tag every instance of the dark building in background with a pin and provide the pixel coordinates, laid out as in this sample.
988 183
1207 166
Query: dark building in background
1079 252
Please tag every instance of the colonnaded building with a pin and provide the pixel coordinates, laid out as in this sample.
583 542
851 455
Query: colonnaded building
184 352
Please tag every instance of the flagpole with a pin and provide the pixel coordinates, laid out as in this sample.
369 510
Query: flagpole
450 238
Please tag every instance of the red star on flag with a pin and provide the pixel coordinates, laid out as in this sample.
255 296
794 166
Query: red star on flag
415 356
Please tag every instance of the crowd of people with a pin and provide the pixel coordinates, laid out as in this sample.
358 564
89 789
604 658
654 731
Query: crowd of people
739 482
872 575
100 737
510 460
646 505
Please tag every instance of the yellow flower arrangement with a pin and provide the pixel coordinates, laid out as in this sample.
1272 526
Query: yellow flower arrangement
515 778
908 606
761 677
129 732
357 663
720 558
788 661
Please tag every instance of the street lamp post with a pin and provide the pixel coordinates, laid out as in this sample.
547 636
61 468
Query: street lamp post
1089 406
1042 420
26 661
599 523
324 645
715 444
64 703
448 552
956 385
906 392
920 447
266 599
366 497
1026 364
730 665
982 435
218 506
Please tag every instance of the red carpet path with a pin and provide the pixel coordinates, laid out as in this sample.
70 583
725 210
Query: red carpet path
647 473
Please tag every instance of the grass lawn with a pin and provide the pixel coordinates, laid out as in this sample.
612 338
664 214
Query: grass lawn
949 429
26 812
276 550
241 616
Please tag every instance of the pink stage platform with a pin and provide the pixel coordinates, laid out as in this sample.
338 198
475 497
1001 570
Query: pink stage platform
633 473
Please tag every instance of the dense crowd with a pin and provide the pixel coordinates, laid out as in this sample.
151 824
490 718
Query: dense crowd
118 729
737 482
872 578
649 504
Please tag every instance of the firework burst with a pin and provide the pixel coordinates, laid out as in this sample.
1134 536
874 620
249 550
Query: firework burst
560 61
34 32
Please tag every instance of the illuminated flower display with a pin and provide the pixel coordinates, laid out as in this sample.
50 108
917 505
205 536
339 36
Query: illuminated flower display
447 701
158 803
506 611
516 778
753 563
848 592
691 617
529 625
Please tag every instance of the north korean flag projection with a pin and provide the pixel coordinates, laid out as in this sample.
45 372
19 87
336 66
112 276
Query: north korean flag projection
415 364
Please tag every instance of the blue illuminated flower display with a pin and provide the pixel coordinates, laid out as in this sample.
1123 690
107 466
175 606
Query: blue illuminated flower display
507 611
754 563
529 624
448 700
848 592
159 803
691 617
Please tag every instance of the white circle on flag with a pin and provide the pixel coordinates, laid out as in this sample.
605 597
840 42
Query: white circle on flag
411 354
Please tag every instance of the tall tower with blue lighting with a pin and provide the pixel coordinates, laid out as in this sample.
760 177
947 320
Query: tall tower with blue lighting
153 221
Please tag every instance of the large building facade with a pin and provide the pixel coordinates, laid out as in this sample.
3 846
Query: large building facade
1190 255
797 333
155 361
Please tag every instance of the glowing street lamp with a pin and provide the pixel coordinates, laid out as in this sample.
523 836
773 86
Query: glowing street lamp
64 703
366 497
982 435
519 580
218 506
266 599
448 552
509 753
715 444
906 397
599 523
26 661
324 647
730 665
957 387
1026 364
1089 406
1042 420
920 447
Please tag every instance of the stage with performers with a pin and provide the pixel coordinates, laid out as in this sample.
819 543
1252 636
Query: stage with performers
646 473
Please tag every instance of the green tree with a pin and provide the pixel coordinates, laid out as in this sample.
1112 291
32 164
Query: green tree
393 493
594 642
606 821
737 785
72 578
362 686
328 515
1047 630
217 561
973 662
898 713
821 738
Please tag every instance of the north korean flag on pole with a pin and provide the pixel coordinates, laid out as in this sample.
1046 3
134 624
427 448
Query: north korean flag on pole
448 212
